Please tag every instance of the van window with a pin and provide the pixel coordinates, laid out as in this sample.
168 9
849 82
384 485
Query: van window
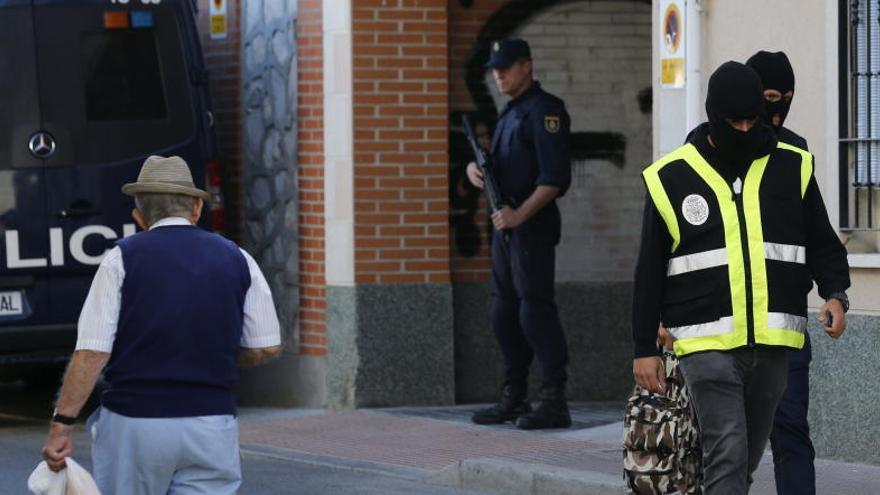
122 76
109 95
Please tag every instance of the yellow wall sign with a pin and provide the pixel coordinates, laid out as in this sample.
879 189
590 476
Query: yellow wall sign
672 46
219 24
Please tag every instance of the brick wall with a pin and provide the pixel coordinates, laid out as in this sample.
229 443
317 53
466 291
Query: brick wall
401 110
596 56
470 264
223 60
310 160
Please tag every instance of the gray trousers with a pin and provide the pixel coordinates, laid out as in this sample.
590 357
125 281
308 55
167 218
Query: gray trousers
735 394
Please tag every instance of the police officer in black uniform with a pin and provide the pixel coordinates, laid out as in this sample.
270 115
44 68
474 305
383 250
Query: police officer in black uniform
532 154
793 452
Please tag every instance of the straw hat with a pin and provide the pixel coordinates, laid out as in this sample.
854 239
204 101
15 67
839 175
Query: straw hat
165 176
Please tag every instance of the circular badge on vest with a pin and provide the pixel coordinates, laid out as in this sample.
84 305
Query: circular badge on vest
695 209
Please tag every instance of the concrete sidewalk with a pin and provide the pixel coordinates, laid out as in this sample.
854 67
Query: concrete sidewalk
440 445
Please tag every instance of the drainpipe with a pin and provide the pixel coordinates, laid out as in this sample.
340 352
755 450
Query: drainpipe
693 66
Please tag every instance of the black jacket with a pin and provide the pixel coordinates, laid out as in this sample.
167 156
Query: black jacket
826 257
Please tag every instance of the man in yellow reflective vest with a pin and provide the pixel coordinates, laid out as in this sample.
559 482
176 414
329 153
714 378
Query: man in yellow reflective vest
734 233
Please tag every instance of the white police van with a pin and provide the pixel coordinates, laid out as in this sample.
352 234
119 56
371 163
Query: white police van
88 90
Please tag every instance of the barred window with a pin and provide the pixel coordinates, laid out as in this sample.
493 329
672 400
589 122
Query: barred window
860 117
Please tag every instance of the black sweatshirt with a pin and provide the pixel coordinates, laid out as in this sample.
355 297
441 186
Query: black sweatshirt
826 256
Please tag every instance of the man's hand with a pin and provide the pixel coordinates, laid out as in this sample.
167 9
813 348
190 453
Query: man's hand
248 357
506 218
59 445
474 175
838 318
649 374
79 381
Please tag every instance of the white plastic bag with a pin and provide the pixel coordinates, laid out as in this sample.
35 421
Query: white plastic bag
72 480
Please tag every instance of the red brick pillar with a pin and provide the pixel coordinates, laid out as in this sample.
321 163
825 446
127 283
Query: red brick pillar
401 95
310 161
389 315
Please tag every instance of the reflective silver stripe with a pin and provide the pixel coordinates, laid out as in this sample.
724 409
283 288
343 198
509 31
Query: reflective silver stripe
785 252
785 321
696 261
719 327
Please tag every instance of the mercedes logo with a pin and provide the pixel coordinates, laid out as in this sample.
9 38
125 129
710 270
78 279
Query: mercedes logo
42 145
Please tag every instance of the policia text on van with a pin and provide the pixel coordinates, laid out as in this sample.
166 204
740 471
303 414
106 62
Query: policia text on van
88 90
734 230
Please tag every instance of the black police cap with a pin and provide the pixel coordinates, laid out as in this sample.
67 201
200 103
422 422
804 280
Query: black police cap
503 53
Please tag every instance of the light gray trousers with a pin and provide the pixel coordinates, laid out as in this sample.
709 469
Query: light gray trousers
735 394
159 456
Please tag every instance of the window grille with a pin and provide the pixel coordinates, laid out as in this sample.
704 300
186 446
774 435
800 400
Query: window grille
860 115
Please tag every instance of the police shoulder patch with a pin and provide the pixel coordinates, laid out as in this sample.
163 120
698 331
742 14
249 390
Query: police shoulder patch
551 123
695 209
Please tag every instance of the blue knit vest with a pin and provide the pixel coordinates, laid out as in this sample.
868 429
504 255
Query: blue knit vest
180 325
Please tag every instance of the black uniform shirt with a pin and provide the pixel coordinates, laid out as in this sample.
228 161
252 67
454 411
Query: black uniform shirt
826 256
531 146
788 136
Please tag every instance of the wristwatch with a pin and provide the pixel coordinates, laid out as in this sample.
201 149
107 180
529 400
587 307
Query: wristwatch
60 418
841 296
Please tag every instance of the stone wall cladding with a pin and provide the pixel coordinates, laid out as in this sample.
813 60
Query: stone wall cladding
270 168
596 321
842 420
390 345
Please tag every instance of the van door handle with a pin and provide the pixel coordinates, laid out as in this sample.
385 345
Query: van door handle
79 208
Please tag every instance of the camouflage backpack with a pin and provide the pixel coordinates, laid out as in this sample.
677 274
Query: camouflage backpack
661 439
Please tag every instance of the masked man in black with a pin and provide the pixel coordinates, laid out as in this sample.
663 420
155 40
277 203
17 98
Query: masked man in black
793 451
731 241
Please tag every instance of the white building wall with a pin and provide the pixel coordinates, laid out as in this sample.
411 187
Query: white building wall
806 30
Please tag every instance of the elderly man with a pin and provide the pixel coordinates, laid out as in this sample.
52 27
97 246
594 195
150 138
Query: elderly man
170 312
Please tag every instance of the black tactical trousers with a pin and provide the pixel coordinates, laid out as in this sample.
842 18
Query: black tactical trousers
793 452
524 314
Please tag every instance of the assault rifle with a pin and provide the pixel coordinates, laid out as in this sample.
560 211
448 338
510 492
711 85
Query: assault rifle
484 164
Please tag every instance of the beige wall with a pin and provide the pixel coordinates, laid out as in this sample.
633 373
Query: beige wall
734 30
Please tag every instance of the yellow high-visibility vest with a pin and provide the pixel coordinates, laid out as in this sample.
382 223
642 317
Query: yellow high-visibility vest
737 271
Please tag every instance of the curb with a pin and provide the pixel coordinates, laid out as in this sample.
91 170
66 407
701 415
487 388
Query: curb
407 473
519 478
484 474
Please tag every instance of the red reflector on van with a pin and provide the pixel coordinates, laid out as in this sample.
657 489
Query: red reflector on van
115 19
216 210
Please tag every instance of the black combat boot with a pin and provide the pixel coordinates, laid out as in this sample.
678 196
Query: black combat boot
551 413
513 405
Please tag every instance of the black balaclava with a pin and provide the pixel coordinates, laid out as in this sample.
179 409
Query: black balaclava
735 92
775 72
